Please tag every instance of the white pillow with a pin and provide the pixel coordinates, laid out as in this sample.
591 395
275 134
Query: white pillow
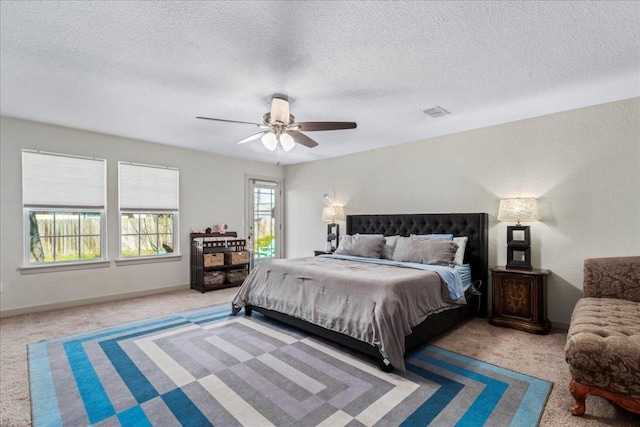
389 247
462 244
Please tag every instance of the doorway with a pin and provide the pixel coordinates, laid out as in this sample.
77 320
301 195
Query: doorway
264 218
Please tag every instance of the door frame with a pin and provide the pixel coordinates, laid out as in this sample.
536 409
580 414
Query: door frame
248 202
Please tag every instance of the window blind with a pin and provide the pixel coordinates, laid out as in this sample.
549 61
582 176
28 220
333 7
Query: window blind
58 180
264 183
145 187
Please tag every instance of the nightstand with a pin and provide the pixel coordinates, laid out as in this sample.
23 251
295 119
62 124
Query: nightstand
316 253
520 299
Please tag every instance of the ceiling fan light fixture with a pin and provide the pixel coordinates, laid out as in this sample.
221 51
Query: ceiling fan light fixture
270 141
279 127
287 142
279 111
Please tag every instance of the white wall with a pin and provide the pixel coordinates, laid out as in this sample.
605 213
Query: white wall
211 192
582 165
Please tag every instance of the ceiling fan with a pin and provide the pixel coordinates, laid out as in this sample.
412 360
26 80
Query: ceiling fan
280 127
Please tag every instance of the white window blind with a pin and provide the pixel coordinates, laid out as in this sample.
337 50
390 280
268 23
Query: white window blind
57 180
264 183
146 188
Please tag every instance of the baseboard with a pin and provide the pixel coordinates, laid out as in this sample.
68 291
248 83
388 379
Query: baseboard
561 326
75 303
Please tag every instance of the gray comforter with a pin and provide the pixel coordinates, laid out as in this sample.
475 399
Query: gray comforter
377 304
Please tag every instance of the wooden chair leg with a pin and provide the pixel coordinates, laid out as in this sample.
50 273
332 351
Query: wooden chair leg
579 393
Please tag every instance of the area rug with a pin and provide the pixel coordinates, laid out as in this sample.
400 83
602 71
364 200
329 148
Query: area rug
205 367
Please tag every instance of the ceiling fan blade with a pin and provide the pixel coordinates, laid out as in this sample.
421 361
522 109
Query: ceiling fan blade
229 121
302 139
279 110
252 137
313 126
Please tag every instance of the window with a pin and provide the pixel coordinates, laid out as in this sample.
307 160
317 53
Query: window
148 210
146 234
63 199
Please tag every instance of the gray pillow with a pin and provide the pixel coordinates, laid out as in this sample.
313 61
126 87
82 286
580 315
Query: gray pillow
368 246
389 247
425 251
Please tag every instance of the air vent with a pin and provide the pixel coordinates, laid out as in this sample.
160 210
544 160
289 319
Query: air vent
436 112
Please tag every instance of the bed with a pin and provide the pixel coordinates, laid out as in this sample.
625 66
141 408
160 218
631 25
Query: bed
341 299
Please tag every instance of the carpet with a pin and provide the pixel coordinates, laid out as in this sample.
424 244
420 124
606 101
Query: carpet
205 367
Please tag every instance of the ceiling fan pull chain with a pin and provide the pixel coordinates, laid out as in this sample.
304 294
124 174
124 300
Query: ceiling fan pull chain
278 156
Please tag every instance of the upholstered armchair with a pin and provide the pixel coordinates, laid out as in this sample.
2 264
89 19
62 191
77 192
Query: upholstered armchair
603 342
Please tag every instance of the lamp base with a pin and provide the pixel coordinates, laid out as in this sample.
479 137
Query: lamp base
519 250
333 233
518 265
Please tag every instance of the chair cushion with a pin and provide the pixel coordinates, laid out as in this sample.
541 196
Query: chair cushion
616 277
603 344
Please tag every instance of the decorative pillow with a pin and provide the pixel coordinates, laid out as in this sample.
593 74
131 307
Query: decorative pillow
425 251
433 236
368 246
389 247
462 244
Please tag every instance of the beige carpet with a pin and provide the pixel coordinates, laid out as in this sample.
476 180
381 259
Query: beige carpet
539 356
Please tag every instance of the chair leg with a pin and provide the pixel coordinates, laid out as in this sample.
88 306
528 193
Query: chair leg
579 393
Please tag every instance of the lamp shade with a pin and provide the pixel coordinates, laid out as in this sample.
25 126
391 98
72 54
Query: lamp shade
518 210
287 142
333 213
270 141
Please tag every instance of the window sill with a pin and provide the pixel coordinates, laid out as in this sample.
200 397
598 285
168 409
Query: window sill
148 260
53 268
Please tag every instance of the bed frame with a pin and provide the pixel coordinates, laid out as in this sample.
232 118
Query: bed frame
473 225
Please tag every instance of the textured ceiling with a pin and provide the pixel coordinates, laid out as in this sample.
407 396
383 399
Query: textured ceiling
144 70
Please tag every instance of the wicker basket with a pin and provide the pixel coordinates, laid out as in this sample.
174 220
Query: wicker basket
213 260
236 277
239 257
213 279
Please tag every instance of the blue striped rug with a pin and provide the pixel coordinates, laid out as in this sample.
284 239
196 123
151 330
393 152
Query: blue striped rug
205 367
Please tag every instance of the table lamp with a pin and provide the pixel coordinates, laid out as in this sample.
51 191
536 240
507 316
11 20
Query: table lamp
332 214
518 236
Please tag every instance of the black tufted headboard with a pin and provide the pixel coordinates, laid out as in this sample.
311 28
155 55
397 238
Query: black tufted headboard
473 225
